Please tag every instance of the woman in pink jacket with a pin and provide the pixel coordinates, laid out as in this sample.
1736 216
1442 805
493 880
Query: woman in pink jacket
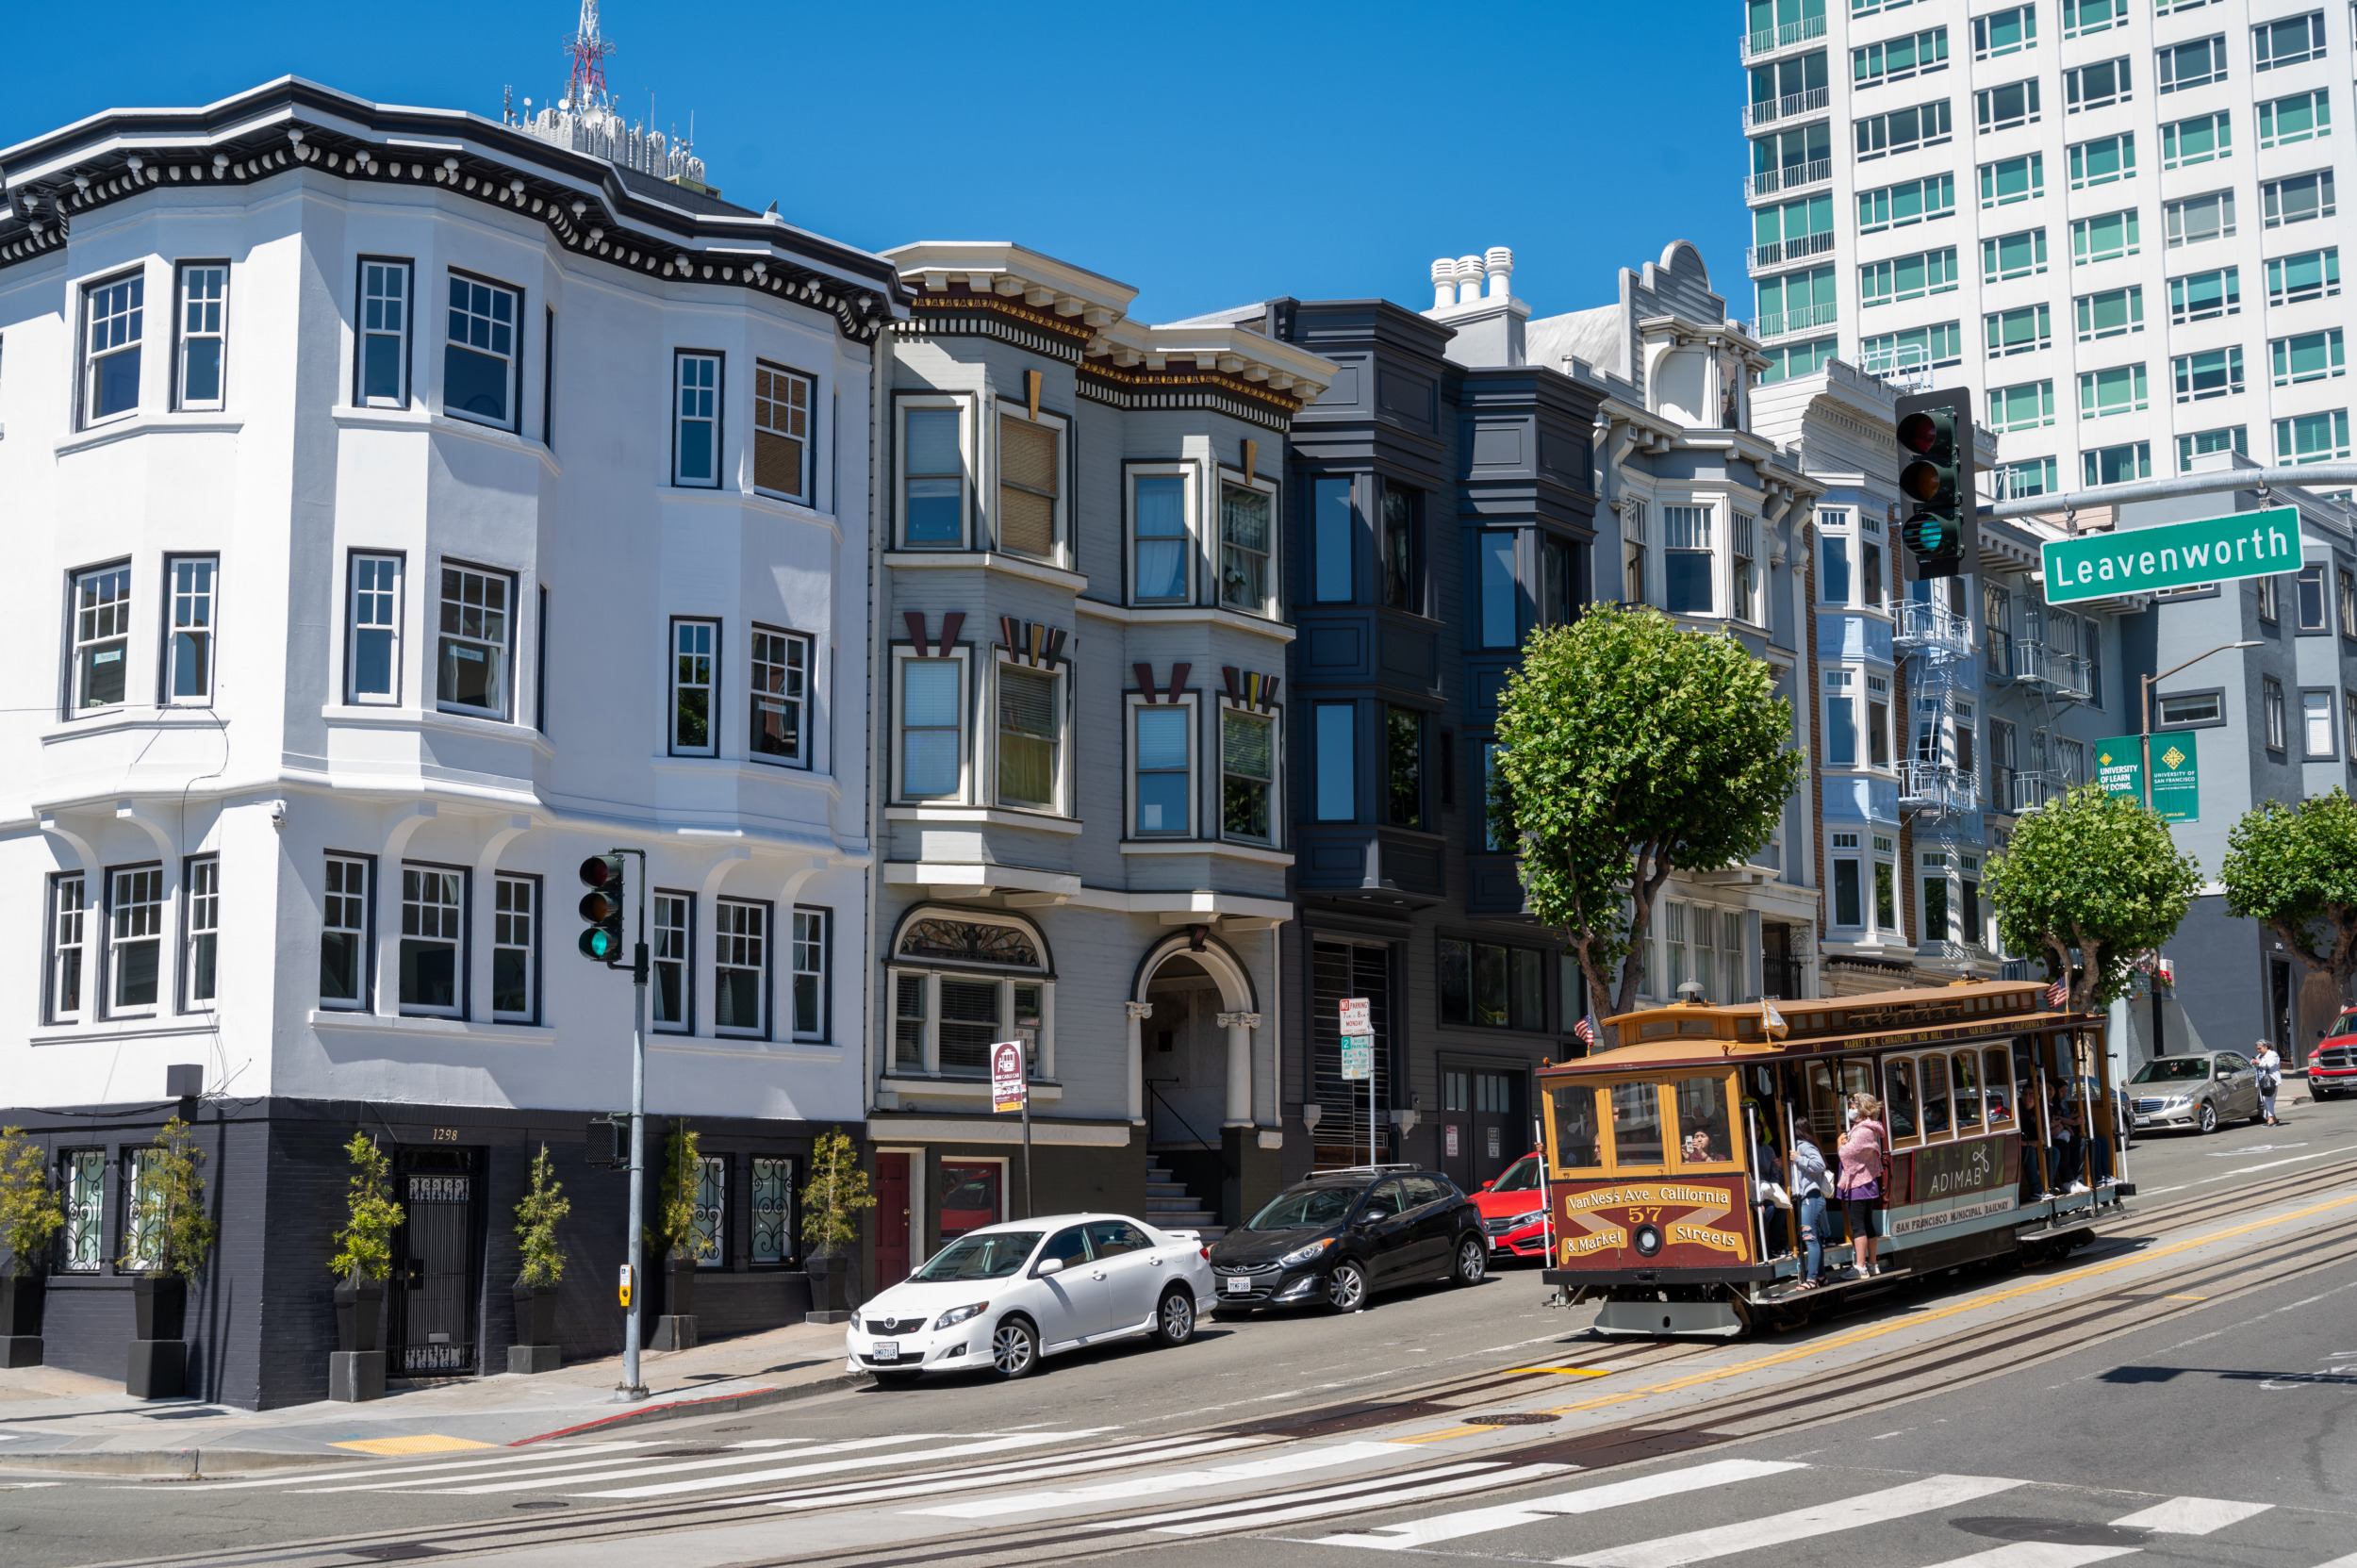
1863 1150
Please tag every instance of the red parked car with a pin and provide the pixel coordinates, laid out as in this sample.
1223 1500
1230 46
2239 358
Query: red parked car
2332 1068
1514 1209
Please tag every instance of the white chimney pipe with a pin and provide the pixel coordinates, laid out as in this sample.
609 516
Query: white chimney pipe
1468 280
1501 262
1443 283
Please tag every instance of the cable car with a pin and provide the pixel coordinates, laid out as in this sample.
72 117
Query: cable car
1660 1144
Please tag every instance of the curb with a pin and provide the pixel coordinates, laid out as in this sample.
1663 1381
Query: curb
167 1463
720 1405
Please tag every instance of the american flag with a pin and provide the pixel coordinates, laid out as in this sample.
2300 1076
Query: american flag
2058 993
1586 1029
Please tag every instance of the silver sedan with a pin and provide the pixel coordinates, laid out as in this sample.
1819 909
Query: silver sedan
2198 1092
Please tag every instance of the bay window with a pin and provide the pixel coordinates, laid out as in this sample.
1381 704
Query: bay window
1162 546
1162 763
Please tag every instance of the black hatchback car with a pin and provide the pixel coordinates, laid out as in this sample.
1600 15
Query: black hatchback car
1339 1237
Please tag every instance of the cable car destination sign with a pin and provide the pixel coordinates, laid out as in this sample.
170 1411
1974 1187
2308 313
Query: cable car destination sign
2172 556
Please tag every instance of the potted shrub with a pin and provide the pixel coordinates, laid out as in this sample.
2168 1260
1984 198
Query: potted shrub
672 1237
30 1215
543 1209
831 1205
364 1247
167 1239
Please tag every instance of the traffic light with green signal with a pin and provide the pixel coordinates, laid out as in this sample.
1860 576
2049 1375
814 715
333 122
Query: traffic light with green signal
1934 432
601 906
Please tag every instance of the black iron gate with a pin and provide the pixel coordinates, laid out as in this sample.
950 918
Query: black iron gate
434 1263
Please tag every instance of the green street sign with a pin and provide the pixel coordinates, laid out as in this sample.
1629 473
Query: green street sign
2172 556
1358 1056
2176 771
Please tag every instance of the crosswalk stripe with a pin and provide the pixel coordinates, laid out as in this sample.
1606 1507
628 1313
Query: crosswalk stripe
2037 1554
1847 1513
1156 1485
603 1469
343 1473
1451 1527
706 1483
1353 1492
1286 1513
2191 1515
884 1490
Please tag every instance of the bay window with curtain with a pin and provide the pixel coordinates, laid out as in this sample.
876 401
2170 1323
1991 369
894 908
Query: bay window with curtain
1030 727
1161 545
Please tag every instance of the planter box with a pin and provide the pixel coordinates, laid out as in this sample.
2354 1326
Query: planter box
21 1299
831 1288
535 1313
354 1376
679 1298
160 1305
158 1369
359 1316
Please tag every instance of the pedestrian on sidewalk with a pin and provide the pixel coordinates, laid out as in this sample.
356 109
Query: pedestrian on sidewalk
2270 1079
1865 1153
1812 1182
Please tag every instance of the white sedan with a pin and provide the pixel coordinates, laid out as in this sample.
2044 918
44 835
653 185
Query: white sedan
1003 1297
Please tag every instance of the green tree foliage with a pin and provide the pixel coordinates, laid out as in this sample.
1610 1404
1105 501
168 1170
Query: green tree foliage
537 1216
2294 870
169 1232
364 1247
2093 872
29 1211
673 1233
836 1193
1632 749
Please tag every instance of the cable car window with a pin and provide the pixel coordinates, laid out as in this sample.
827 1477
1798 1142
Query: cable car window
1635 1125
1935 1097
1898 1101
1704 1136
1825 1121
1997 1064
1966 1076
1858 1077
1578 1132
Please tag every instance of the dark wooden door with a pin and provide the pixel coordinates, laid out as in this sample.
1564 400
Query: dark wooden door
892 1219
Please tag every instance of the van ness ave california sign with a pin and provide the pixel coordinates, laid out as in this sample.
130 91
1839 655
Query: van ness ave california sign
2172 556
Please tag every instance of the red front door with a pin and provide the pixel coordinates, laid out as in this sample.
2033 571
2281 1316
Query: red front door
892 1219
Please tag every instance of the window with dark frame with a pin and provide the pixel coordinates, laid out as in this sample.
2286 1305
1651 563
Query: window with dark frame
782 431
372 663
479 356
134 933
2272 705
193 583
771 1192
781 696
1403 517
1247 775
382 365
82 1181
432 937
696 420
1030 486
1334 526
741 968
2315 726
102 637
515 948
673 920
69 907
1500 615
932 705
1162 749
810 974
474 651
933 479
199 368
1404 767
113 327
344 931
694 674
1029 739
1336 736
1492 986
1244 549
2310 584
1160 549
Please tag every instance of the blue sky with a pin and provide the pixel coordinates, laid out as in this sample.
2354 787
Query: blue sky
1208 153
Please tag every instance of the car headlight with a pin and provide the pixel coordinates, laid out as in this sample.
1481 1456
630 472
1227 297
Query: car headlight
1303 1254
2177 1099
956 1315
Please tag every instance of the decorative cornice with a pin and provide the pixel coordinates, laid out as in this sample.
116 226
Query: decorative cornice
1215 391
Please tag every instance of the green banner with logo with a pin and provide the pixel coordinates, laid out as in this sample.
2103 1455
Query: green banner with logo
2176 771
2172 556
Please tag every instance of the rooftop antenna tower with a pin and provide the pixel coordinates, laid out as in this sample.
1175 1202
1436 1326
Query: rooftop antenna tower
586 119
586 52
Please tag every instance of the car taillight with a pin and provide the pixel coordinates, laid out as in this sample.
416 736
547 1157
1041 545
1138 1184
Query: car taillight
1206 1253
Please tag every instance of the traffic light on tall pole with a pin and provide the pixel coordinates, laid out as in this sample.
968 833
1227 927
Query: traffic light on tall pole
1935 482
601 906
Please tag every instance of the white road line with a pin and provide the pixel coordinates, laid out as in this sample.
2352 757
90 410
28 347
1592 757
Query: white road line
1351 1491
1507 1516
2037 1554
507 1458
1162 1483
2191 1515
603 1469
706 1483
1286 1514
884 1490
1847 1513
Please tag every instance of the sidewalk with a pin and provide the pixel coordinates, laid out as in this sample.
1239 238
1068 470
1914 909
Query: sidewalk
53 1420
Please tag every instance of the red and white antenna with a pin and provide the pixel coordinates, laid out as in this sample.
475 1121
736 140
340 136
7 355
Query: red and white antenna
587 51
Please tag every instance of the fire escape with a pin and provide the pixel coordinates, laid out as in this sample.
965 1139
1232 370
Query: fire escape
1938 784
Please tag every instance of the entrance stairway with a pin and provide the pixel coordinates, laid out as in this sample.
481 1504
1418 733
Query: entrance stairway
1169 1206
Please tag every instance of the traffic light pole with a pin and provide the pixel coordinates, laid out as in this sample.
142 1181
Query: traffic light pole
633 1387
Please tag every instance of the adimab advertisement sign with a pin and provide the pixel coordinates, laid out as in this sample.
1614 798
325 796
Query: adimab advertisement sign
2172 556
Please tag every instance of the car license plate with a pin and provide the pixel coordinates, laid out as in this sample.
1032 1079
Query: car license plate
1239 1284
885 1350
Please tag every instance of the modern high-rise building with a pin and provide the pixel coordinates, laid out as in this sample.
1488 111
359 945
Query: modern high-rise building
2115 220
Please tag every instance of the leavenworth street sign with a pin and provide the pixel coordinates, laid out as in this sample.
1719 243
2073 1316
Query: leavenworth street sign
2172 556
2176 771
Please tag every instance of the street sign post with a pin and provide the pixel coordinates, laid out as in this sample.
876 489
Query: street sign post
1359 1056
1011 1090
2171 555
2163 771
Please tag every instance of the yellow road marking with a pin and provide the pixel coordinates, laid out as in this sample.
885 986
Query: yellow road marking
1561 1371
1859 1336
423 1443
2184 1299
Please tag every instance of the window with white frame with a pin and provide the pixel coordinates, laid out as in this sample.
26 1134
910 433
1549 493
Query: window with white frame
344 932
1162 547
2271 707
1877 721
1688 561
200 367
474 649
809 973
1031 483
932 475
2287 40
82 1174
1849 884
114 323
1885 884
194 581
382 361
1161 768
694 674
932 728
781 696
781 403
1745 573
696 420
516 947
102 637
200 970
962 981
69 907
373 657
740 970
134 935
1030 737
432 937
481 352
1248 790
2315 725
1832 578
1246 582
911 1015
1632 551
674 922
1841 747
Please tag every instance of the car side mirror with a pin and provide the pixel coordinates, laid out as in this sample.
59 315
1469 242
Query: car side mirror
1487 1185
1046 1267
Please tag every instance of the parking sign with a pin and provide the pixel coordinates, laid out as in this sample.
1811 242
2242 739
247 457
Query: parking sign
1009 1088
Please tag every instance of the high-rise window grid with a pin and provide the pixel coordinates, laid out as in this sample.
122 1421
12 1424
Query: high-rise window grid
2094 85
2104 236
2199 296
2306 356
2309 275
2287 40
2200 138
2300 117
2012 103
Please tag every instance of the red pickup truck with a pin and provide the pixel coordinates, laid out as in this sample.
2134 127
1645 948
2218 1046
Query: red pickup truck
2332 1066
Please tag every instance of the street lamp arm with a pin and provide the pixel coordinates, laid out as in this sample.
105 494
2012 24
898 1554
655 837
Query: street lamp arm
2223 648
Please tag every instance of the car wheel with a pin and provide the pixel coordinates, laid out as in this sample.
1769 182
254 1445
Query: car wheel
2209 1116
1014 1348
1473 1260
1174 1322
899 1380
1346 1287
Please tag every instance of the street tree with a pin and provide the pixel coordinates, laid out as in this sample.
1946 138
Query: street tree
1630 750
2294 870
2096 875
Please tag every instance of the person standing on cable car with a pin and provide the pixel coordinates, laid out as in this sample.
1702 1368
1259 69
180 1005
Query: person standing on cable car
1865 1149
1810 1181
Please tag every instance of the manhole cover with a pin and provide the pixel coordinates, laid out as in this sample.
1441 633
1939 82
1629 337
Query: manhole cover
543 1502
1510 1418
2061 1532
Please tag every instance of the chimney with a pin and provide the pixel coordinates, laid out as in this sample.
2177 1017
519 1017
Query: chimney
1444 283
1469 280
1501 263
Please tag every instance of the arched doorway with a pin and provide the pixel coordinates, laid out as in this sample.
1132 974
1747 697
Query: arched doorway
1186 1059
1192 1022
